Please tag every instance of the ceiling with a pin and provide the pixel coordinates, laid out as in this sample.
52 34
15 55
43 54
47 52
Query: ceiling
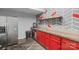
32 11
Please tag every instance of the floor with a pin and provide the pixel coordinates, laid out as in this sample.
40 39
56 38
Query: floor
26 44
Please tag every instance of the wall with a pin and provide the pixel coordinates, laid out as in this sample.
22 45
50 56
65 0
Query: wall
24 21
68 21
67 17
25 24
2 21
75 24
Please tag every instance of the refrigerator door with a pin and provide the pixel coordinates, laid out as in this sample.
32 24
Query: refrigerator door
3 38
12 30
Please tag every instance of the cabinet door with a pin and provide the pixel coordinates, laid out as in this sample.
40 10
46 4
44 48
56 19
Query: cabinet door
77 45
54 42
47 41
43 38
39 36
54 45
67 44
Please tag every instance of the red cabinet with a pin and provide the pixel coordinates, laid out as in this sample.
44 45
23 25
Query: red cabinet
67 44
47 41
54 46
42 39
54 42
77 45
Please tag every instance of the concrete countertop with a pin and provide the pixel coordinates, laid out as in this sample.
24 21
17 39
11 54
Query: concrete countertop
69 34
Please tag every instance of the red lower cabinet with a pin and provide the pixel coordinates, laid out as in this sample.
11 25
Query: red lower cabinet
54 46
67 44
42 38
77 45
54 42
47 41
38 36
47 44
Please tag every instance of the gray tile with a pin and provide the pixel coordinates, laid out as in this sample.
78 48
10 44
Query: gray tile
35 47
26 44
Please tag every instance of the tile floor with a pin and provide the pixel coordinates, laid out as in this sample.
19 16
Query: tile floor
26 44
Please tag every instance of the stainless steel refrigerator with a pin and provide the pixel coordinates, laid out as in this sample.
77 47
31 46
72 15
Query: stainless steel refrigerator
11 30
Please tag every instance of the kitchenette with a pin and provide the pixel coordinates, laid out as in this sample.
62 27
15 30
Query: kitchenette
58 29
39 29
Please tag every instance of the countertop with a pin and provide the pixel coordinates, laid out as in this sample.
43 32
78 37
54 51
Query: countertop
69 34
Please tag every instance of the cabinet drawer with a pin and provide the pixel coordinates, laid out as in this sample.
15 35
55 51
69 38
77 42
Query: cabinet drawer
54 42
46 38
42 41
47 42
54 46
55 38
42 38
67 44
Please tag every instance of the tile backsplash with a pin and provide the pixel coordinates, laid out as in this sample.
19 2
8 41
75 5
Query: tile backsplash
68 22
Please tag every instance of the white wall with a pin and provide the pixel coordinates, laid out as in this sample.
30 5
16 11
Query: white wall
2 21
25 24
24 21
64 12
